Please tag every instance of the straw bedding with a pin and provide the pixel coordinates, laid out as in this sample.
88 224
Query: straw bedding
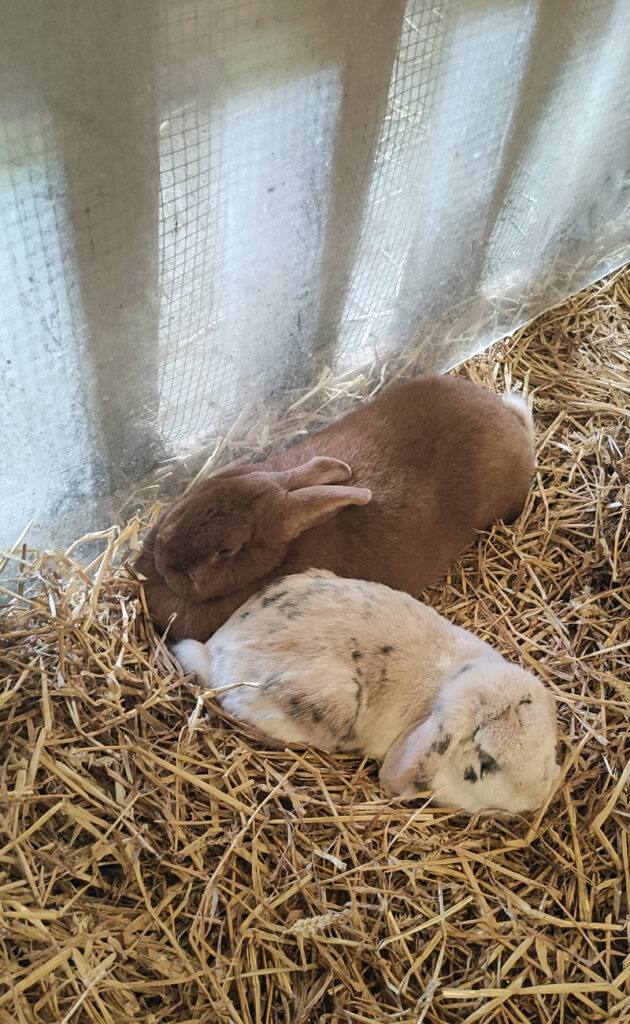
159 864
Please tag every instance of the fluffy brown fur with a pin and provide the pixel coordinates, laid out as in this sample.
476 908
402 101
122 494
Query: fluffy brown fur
391 493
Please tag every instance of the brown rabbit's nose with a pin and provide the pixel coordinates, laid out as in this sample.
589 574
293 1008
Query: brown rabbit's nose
182 583
159 559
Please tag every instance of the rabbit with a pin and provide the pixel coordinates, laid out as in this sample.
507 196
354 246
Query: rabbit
392 492
349 665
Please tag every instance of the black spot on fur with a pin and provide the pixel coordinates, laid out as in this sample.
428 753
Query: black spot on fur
442 743
272 598
470 775
317 715
273 682
350 733
244 615
526 700
297 708
488 764
464 668
386 649
322 584
356 655
292 608
420 783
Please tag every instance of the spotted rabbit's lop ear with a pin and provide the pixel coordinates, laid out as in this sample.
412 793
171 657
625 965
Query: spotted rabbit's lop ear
406 768
489 743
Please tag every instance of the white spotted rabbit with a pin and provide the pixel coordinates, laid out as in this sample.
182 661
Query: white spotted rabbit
351 665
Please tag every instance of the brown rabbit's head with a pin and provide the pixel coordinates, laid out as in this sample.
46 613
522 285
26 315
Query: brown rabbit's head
227 531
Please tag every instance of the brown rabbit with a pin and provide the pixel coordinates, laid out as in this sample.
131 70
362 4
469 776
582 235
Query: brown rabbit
392 492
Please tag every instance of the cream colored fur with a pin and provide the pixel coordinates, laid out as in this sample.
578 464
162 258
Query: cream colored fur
349 665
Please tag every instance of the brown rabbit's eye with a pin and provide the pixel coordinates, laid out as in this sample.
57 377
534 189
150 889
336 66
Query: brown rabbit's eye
224 552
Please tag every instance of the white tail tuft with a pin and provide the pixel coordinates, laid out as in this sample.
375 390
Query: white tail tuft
519 406
194 656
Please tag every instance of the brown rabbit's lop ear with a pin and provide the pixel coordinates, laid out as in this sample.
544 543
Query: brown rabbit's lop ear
405 770
310 506
319 470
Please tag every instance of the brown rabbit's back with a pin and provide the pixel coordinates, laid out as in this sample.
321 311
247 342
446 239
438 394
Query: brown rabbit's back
443 458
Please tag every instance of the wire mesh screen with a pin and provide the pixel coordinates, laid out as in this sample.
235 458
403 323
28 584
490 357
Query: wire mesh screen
209 201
